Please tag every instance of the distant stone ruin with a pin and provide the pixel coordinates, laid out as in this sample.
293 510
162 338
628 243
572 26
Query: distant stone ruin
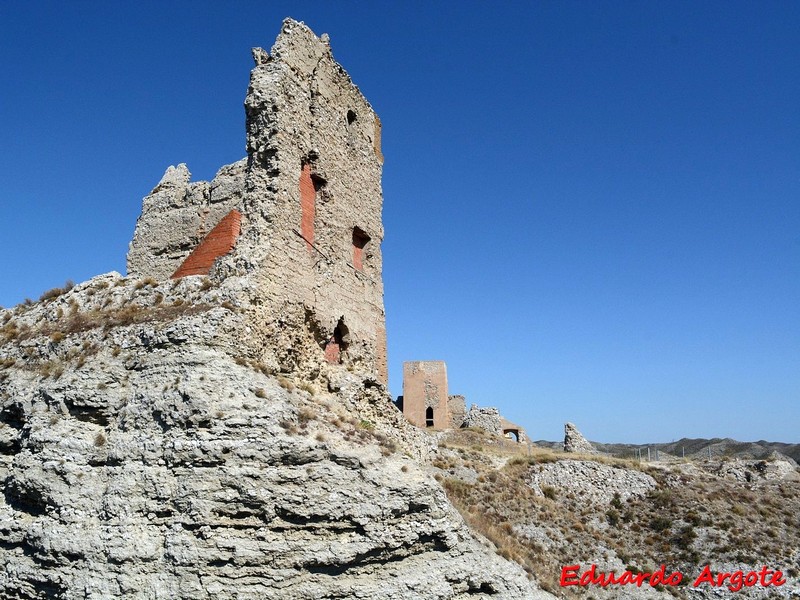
426 403
300 215
575 442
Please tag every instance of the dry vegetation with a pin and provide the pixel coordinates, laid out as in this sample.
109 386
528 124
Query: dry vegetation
685 522
80 321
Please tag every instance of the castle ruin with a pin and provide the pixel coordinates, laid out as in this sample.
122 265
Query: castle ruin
300 216
426 403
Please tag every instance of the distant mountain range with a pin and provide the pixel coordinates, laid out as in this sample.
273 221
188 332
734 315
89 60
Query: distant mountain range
697 448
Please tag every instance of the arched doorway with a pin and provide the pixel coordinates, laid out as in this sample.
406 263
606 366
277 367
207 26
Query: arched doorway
429 417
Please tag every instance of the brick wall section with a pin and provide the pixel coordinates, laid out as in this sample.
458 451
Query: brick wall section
218 242
358 254
332 351
308 197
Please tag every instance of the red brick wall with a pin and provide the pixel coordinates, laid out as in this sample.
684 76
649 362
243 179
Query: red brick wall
218 242
332 351
360 240
308 196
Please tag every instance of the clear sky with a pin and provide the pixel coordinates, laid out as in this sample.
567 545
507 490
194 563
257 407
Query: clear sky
591 209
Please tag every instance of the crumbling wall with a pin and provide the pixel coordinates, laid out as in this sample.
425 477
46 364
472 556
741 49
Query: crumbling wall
513 431
486 418
457 405
309 195
575 442
425 399
178 214
313 189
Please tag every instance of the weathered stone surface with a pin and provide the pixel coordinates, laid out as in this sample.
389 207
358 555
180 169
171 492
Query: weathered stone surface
486 418
592 482
178 214
192 438
575 442
457 405
143 455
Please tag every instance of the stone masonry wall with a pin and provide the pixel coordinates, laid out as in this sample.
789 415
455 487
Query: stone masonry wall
457 405
425 386
313 178
178 214
486 418
309 194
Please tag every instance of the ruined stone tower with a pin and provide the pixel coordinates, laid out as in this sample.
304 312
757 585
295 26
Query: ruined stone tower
298 221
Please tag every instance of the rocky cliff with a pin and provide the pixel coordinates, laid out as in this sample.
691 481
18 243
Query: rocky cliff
145 453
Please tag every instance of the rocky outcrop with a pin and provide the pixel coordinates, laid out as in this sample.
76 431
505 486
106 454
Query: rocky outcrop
575 442
143 455
755 471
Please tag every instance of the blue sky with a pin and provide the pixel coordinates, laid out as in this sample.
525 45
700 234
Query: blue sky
591 209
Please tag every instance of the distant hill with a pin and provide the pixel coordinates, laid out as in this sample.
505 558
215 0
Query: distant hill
697 447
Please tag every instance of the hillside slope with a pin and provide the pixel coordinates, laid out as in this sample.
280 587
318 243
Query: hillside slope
145 454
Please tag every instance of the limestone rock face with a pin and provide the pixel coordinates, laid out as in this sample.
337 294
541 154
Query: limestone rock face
142 455
575 442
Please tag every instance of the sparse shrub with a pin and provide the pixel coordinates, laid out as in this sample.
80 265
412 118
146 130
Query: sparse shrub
285 383
56 337
660 523
55 292
549 492
320 437
147 281
365 425
612 516
308 387
51 368
262 368
100 439
304 415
